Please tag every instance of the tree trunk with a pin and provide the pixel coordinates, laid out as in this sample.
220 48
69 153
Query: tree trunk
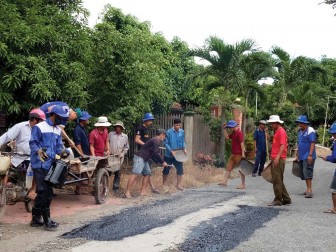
222 140
244 122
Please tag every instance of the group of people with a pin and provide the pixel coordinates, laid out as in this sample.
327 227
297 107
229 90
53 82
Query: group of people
41 138
306 155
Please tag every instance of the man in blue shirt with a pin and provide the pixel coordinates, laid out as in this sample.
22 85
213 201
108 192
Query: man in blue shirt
174 141
46 146
81 136
306 152
332 158
259 138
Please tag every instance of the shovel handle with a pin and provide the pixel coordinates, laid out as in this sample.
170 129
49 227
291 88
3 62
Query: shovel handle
64 134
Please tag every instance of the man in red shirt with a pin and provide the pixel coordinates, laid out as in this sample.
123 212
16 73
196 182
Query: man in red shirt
98 138
237 151
278 156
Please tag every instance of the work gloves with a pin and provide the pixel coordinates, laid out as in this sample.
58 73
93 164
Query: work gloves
42 155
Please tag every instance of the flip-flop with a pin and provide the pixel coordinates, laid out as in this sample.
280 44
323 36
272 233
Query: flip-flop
331 211
222 184
240 187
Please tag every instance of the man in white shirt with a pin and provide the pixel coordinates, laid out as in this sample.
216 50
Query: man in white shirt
20 133
118 146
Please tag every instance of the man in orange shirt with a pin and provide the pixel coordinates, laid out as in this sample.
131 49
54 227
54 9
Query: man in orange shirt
278 156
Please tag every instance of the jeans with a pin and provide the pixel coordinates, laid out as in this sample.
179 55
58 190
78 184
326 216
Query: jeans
259 162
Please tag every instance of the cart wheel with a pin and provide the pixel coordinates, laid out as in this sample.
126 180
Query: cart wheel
2 200
29 203
101 186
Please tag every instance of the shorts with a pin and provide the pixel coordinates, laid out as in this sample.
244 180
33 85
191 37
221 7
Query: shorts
172 161
233 161
306 170
333 184
140 166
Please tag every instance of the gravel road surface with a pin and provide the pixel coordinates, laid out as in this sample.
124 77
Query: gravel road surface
216 218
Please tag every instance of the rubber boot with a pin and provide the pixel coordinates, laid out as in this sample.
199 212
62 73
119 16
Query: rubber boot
51 220
36 218
48 223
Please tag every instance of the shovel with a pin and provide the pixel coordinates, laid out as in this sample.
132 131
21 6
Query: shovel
82 158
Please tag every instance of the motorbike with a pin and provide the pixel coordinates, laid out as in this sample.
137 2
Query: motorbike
15 182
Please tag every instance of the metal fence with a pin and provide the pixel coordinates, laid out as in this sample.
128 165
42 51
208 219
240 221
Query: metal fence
201 133
201 137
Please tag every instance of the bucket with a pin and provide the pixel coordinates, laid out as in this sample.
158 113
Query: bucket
267 174
246 167
296 169
4 164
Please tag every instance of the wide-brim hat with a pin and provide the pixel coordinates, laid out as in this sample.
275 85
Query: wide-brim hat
262 122
148 117
85 116
332 129
231 124
274 118
119 123
302 119
102 122
60 111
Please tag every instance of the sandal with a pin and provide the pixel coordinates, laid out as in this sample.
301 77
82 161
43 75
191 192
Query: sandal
274 203
240 187
331 211
309 195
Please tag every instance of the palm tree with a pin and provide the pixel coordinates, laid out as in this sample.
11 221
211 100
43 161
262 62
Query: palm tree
293 72
225 61
254 67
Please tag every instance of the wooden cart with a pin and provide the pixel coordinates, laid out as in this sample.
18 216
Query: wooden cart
93 175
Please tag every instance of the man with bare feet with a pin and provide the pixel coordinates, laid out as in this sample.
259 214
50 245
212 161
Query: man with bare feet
140 162
237 153
332 158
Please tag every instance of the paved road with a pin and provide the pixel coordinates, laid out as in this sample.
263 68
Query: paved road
214 218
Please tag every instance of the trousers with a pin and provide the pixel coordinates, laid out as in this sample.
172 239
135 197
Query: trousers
260 160
44 191
280 191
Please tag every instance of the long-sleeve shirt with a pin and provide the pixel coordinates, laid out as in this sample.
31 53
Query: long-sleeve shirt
118 143
174 140
45 135
21 133
81 138
332 158
150 149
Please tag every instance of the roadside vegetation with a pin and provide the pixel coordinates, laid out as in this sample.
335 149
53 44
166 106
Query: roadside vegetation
121 69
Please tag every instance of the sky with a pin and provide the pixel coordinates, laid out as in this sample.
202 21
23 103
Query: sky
300 27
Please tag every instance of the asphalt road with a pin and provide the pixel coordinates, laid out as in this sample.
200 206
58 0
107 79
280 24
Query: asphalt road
215 218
